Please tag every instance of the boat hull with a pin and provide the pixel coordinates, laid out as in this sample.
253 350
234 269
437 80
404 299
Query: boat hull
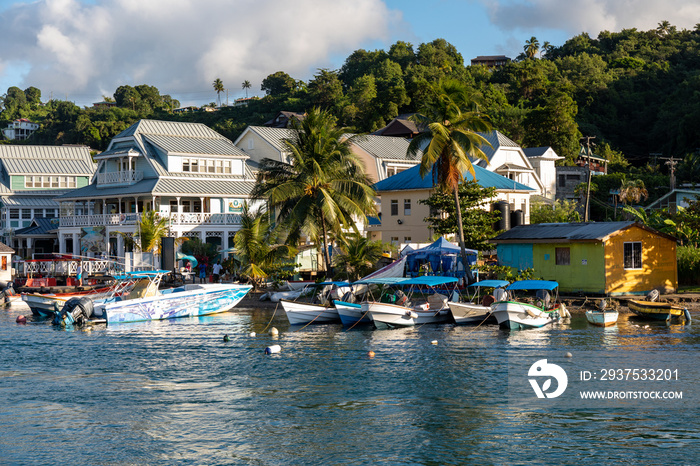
655 311
351 314
305 313
602 318
42 305
392 315
470 313
185 301
513 315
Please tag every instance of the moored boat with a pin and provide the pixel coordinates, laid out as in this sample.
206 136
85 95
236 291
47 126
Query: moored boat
515 314
654 310
320 309
143 301
403 312
602 318
44 305
473 312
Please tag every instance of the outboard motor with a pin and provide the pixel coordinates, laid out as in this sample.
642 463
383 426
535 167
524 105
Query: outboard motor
75 311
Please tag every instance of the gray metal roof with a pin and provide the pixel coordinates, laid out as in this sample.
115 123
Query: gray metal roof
30 166
92 191
496 139
562 232
5 248
31 201
190 145
274 136
169 128
386 147
40 226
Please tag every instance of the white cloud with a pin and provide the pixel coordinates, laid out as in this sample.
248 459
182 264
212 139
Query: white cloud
592 16
85 50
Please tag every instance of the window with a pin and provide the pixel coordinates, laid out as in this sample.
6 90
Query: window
211 167
395 240
227 167
14 213
28 181
54 181
185 165
573 177
406 239
194 165
633 255
563 256
407 207
27 213
395 207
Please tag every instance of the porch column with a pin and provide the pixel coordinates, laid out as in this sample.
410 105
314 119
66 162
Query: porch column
224 244
136 204
76 244
154 203
119 206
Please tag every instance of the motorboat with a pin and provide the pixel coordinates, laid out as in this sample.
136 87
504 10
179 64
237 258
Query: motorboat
529 312
477 311
421 303
319 308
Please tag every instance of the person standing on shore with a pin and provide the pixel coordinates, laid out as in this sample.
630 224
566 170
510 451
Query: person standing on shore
216 271
79 274
202 273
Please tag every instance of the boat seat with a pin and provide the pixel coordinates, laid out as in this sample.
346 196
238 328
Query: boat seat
142 289
544 296
499 294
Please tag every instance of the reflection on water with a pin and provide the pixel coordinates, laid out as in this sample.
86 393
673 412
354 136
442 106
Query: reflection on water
174 392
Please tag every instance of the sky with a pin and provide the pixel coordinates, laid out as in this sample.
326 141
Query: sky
82 50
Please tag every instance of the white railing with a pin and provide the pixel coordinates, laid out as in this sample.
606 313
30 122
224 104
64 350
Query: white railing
127 176
53 268
131 219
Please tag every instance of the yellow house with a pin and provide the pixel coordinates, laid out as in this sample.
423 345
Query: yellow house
607 258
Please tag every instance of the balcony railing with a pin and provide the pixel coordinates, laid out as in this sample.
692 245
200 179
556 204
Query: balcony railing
131 219
123 177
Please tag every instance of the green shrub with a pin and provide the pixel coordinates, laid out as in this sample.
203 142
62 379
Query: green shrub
688 258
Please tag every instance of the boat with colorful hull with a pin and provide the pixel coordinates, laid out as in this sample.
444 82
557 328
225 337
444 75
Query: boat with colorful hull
654 310
472 312
44 304
139 299
518 314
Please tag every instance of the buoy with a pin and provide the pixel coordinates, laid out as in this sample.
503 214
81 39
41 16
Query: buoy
252 334
370 354
569 355
21 319
274 332
273 349
226 338
434 342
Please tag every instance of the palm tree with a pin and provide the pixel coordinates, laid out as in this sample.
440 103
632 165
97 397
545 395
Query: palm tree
219 88
632 191
358 256
256 246
450 140
532 46
546 47
150 230
322 189
246 85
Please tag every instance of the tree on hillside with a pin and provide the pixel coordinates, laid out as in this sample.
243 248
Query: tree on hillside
325 89
450 139
278 83
324 187
531 47
246 85
219 88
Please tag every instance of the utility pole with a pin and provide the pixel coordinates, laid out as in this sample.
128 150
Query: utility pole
588 187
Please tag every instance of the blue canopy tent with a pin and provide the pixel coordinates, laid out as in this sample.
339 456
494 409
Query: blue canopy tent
441 258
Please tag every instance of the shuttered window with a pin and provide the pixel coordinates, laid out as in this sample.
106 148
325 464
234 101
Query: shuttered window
633 255
563 256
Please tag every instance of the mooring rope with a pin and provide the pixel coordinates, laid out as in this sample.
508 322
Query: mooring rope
358 320
271 318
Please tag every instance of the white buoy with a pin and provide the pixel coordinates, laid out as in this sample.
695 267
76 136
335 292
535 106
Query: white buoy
252 334
273 349
569 355
274 332
434 342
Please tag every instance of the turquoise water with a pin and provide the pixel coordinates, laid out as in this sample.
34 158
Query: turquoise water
173 392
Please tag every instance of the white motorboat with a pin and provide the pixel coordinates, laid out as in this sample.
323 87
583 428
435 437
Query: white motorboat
602 318
321 309
404 313
474 312
518 314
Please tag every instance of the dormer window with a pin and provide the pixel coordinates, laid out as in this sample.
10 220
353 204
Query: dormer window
206 166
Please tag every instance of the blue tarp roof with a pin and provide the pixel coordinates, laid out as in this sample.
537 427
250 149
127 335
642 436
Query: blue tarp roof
410 179
428 280
441 246
533 285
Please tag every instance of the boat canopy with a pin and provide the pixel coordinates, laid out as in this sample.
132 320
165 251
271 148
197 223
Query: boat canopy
442 257
491 283
339 284
428 280
141 274
533 285
379 281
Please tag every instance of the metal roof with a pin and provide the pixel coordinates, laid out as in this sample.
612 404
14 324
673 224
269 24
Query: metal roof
386 147
169 128
40 226
274 136
30 166
28 201
190 145
45 152
5 248
562 231
410 179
